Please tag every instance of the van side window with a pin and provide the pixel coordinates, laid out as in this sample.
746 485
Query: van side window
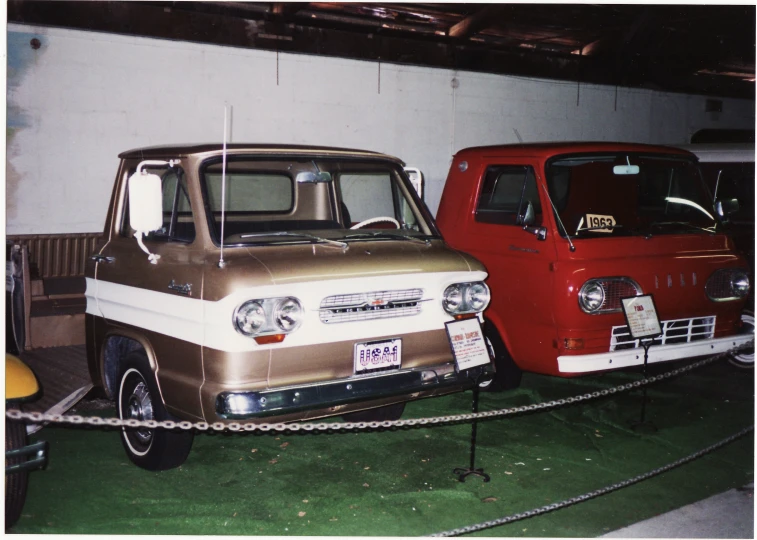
505 194
178 223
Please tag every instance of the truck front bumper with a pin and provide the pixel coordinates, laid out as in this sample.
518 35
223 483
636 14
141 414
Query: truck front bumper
241 405
585 363
32 457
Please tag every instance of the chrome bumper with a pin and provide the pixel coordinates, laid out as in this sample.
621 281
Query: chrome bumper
585 363
240 405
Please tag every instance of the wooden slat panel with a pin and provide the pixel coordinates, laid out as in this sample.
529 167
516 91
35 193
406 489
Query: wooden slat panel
58 255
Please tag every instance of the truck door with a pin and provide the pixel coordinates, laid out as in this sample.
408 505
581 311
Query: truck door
508 234
159 301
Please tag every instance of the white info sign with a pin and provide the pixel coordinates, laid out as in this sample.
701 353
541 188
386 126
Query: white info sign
641 316
468 345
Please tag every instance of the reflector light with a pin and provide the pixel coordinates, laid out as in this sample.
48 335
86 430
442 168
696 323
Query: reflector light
273 338
574 344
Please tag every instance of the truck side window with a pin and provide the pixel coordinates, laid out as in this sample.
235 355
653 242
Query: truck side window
178 223
505 194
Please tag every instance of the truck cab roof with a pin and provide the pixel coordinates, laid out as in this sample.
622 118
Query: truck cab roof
548 149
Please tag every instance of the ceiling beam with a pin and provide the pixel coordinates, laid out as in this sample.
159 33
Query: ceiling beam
480 20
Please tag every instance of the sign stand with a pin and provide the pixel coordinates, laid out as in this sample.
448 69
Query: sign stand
471 354
461 472
644 325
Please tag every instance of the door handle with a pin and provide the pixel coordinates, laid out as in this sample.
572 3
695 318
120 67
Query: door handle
101 258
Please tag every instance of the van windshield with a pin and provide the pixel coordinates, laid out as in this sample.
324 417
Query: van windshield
628 194
328 201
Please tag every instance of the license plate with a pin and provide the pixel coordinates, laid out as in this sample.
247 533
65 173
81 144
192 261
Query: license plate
376 355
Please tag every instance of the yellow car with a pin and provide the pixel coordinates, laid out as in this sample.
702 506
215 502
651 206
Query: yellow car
21 386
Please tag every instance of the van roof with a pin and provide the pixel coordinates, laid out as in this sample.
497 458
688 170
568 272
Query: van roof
548 149
183 150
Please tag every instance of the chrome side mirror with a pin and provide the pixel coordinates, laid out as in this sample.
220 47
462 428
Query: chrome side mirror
540 232
727 207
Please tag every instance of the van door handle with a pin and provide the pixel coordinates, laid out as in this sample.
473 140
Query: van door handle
102 258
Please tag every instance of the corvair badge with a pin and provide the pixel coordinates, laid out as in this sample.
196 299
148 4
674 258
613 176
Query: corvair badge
181 289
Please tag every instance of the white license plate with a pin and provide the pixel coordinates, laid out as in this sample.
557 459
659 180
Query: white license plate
378 355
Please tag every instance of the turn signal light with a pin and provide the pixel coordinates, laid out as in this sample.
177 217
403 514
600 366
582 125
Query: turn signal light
574 344
465 316
272 338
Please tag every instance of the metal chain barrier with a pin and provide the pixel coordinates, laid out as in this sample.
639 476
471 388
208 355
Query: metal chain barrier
593 494
39 418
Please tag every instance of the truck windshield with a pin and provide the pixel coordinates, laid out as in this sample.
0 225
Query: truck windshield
629 194
328 201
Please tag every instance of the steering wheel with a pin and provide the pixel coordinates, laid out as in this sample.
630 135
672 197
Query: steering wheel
378 219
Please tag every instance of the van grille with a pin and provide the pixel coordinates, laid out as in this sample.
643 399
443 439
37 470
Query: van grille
371 305
676 331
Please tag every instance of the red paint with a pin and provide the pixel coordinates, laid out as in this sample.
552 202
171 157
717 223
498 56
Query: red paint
535 283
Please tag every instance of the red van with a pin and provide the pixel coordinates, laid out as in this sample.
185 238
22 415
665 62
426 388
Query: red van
566 230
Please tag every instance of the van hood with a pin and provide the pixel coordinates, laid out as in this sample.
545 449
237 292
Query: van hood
252 266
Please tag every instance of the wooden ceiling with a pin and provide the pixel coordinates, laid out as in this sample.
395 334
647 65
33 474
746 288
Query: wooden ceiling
698 49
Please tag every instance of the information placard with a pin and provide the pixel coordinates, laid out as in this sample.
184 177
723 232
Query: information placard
641 316
468 345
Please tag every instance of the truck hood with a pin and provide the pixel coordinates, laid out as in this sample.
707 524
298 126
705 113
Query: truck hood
283 264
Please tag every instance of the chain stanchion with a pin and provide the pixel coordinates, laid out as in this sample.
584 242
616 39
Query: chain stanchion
78 420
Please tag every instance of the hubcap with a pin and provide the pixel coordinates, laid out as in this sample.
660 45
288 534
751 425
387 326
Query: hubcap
139 407
746 358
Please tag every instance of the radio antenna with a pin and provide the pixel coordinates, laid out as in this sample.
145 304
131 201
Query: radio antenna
221 262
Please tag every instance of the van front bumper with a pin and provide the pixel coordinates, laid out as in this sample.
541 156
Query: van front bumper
241 405
585 363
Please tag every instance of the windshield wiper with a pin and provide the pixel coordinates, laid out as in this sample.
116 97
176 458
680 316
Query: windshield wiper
395 236
691 226
319 239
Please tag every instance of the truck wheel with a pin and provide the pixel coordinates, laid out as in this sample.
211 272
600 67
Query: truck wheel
508 374
745 359
138 398
379 414
15 484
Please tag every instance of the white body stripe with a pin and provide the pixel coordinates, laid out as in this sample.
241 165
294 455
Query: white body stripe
210 323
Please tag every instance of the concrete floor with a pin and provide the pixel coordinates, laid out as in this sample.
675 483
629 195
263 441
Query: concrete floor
727 515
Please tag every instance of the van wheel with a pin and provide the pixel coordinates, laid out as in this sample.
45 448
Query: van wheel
508 374
138 398
15 484
379 414
745 359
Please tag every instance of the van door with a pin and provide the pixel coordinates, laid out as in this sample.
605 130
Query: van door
519 261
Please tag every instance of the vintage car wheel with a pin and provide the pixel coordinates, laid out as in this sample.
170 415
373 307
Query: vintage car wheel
138 398
508 374
745 360
379 414
15 484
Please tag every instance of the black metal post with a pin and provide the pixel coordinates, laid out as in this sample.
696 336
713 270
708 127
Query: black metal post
642 424
463 473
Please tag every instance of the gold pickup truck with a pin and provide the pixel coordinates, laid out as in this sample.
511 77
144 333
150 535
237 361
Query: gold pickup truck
268 283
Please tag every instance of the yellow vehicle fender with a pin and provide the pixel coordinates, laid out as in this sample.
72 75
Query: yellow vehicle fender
20 382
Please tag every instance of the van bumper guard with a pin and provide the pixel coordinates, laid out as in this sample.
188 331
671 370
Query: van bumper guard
585 363
33 456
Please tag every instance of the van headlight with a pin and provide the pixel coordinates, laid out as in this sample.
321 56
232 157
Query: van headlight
460 298
727 284
602 295
268 316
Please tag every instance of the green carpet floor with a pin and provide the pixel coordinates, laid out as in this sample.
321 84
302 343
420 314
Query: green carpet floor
400 483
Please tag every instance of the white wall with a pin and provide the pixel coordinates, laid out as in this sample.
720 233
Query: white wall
80 99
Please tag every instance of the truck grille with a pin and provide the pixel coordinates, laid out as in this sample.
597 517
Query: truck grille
371 305
677 331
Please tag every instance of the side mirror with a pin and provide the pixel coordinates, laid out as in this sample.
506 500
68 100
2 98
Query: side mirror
145 202
416 178
727 207
313 178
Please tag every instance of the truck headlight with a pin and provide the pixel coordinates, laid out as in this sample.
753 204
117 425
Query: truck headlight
727 284
460 298
268 316
288 314
602 295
